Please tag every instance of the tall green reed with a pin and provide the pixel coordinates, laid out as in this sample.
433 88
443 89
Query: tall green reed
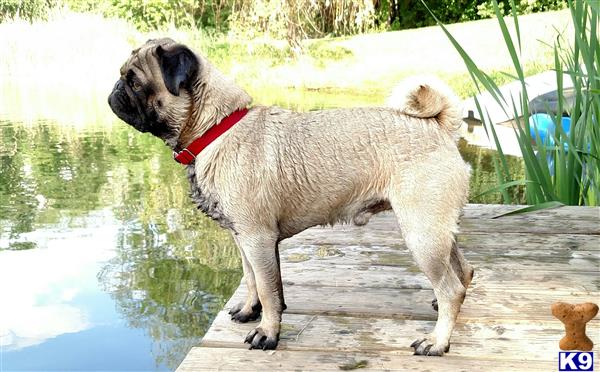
567 169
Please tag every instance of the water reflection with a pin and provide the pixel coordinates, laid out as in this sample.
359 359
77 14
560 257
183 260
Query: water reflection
42 307
108 215
483 174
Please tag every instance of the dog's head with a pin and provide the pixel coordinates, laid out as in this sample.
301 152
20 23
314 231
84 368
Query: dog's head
155 91
173 93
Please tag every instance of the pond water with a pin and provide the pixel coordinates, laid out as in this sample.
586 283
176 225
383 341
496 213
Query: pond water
105 263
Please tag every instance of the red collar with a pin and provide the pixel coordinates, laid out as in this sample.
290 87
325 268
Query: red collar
188 154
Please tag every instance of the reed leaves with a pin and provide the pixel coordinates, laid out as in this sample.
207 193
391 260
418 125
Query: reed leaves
562 167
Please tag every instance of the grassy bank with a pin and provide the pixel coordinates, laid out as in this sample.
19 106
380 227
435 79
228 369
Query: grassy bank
63 68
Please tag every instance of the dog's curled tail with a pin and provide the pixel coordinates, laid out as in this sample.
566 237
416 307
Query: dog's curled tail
427 97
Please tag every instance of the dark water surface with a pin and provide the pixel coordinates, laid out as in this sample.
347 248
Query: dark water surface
104 262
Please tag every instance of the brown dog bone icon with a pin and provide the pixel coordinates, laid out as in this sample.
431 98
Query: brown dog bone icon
575 318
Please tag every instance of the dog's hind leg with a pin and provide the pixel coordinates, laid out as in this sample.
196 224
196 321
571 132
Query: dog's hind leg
283 305
428 209
260 249
431 247
461 268
250 309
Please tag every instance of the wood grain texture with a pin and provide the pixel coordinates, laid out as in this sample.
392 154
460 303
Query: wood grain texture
482 303
226 359
356 299
479 242
557 259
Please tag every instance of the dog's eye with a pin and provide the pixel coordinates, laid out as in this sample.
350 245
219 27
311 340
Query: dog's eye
135 85
133 81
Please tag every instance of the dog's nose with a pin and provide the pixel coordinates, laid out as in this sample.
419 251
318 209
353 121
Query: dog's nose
117 86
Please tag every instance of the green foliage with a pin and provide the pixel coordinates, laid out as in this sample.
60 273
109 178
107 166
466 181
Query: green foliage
403 14
291 20
295 20
226 53
153 14
569 170
465 87
145 15
486 8
324 52
533 6
29 10
158 14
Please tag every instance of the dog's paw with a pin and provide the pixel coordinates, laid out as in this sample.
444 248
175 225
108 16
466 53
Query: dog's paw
434 304
259 339
424 346
240 314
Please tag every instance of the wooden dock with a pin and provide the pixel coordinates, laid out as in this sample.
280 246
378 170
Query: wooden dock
356 300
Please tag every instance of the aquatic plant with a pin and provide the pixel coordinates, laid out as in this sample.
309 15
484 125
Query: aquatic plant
566 168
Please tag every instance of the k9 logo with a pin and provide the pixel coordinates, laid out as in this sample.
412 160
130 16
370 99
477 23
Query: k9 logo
575 361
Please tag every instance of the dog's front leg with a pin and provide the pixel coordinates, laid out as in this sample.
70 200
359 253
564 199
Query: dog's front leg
261 253
250 309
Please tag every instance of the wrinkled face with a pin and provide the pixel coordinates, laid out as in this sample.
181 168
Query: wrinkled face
153 93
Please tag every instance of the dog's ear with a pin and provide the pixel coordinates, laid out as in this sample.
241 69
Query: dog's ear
178 65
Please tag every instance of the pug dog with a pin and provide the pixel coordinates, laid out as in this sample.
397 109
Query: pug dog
267 173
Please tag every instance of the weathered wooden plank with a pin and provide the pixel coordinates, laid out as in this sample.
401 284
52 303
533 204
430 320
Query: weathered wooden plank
515 244
514 224
316 273
394 256
335 333
225 359
532 303
386 223
482 303
523 224
526 223
506 244
567 212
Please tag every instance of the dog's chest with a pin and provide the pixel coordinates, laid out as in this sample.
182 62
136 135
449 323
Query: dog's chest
206 202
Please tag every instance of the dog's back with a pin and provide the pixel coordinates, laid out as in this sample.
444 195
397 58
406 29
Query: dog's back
341 165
